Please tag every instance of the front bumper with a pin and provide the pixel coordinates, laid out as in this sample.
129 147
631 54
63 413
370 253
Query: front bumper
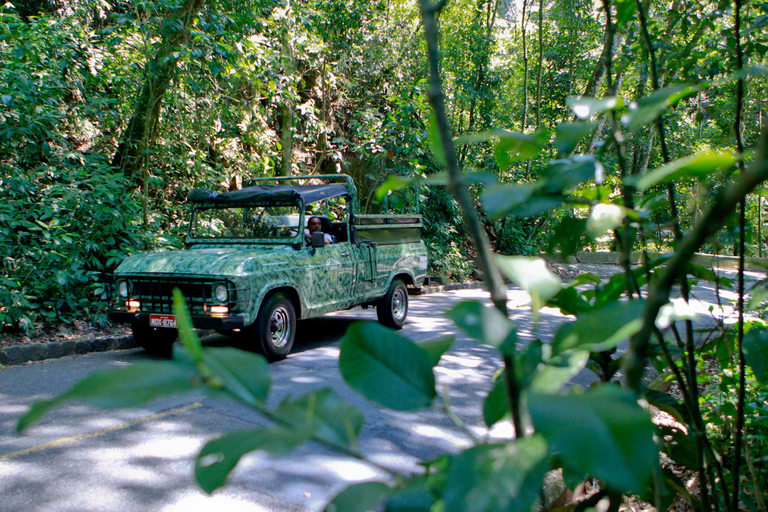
200 322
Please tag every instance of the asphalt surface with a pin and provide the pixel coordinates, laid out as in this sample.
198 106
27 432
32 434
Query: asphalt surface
82 459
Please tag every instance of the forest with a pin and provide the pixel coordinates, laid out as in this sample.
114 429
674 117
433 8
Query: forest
527 127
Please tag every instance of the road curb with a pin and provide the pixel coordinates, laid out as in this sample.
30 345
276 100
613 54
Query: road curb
20 354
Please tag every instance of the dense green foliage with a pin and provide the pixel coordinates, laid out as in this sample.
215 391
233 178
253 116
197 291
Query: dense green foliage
635 122
268 88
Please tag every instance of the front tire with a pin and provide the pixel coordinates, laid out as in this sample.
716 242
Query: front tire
276 326
155 340
393 307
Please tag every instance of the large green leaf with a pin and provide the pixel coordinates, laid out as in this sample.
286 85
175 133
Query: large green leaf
697 166
651 107
219 457
243 374
586 107
497 477
386 367
499 199
602 329
755 347
533 276
562 175
483 323
570 134
514 147
625 10
536 204
570 301
121 387
187 331
324 413
558 371
435 141
358 498
603 217
509 147
436 348
415 496
567 237
496 404
602 432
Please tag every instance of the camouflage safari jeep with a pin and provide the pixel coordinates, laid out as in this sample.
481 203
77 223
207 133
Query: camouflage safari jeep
250 268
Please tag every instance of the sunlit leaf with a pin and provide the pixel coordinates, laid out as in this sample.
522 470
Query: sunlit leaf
585 107
602 329
219 457
698 165
386 367
186 328
244 374
121 387
326 415
397 182
673 311
558 371
755 347
651 107
483 323
497 477
602 433
758 294
603 217
533 276
358 498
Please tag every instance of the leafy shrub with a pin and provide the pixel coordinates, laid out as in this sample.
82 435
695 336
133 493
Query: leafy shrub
61 230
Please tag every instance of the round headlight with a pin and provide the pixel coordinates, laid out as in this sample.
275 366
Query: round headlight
220 292
123 289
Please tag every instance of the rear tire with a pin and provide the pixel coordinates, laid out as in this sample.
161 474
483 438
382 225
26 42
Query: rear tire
155 340
393 307
276 326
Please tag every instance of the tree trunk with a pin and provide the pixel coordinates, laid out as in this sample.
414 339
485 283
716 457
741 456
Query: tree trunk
142 128
525 70
541 63
286 113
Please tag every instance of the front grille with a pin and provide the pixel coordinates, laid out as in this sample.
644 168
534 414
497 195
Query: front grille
156 293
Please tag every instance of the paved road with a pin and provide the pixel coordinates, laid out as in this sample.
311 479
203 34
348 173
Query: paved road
84 459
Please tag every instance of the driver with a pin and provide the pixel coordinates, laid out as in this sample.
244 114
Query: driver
316 225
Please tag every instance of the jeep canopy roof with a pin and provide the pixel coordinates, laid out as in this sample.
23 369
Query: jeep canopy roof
269 195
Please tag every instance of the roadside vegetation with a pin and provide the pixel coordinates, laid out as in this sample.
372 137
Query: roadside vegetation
527 126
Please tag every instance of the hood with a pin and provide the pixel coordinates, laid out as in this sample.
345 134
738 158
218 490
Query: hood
216 261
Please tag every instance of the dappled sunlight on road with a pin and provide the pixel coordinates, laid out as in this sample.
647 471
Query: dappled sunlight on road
138 459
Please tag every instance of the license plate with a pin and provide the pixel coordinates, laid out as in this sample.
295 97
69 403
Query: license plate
162 321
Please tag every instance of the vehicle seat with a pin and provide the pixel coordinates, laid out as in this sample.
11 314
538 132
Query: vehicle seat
339 230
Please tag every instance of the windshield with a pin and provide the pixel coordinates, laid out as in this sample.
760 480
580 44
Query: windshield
263 222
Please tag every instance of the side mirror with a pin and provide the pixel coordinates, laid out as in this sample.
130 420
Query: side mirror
318 239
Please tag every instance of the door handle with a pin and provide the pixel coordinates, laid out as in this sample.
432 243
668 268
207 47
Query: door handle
345 254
